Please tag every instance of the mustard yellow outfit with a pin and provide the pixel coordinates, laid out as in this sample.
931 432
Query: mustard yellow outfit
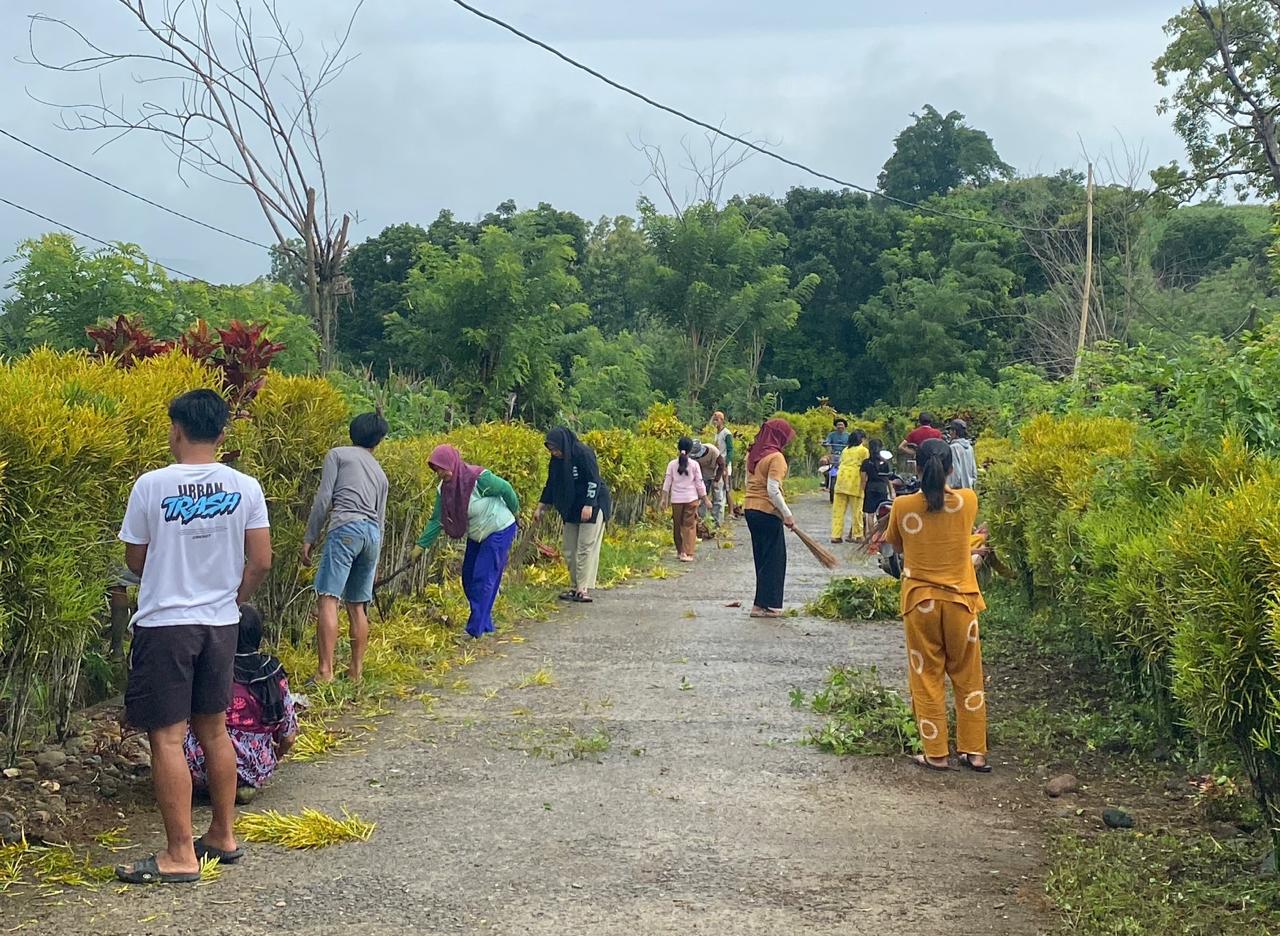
940 606
848 493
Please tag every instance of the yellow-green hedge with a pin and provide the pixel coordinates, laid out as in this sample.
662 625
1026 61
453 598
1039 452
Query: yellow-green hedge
1167 552
76 432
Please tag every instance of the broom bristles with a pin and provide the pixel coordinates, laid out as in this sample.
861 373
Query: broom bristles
820 552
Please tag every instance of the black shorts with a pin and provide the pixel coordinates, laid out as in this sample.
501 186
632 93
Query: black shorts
179 671
874 500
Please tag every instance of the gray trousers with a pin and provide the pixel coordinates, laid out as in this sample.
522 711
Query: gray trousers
582 542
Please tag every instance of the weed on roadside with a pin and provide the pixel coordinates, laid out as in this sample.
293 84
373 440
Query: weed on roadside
563 743
1122 884
864 716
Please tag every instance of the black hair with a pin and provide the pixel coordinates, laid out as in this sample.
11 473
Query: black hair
838 420
201 415
368 429
249 638
959 429
876 447
858 436
934 458
685 445
926 418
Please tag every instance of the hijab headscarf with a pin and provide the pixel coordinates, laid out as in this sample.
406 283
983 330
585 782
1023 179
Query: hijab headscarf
260 673
772 437
455 494
560 473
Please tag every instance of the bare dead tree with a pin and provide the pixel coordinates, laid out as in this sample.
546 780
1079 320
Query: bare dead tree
1123 285
705 174
242 110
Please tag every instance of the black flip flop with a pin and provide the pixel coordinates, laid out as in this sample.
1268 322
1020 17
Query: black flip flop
147 871
568 596
965 762
583 599
204 851
921 761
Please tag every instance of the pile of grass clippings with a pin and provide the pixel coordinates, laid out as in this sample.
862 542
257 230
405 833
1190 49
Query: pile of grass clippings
863 715
858 598
308 829
48 869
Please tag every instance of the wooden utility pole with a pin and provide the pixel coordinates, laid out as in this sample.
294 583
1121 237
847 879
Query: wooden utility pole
1088 269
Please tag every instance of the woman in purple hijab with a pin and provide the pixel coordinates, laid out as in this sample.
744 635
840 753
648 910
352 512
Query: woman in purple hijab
474 503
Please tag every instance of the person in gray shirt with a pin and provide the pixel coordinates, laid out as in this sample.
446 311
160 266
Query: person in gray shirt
353 501
964 465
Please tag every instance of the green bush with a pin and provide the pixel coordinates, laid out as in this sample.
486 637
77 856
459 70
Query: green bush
1170 555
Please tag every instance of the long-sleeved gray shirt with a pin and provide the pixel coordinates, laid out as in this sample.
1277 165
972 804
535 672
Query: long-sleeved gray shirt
353 487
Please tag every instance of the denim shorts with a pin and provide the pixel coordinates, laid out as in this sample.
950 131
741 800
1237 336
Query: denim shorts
349 562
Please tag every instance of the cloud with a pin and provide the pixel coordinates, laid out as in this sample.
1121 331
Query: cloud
441 110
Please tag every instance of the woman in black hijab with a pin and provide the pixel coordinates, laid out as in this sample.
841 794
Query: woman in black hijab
578 493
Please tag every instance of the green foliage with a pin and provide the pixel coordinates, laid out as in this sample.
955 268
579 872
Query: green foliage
379 271
1192 885
60 289
411 407
721 281
864 717
1198 242
936 154
609 379
858 598
1224 113
491 318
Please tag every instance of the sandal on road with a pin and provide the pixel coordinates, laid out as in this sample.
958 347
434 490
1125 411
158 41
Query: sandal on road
921 761
204 851
147 871
966 760
568 596
583 599
768 613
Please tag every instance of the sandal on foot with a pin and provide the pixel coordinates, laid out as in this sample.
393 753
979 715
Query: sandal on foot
921 761
583 599
204 851
966 762
567 596
767 613
147 871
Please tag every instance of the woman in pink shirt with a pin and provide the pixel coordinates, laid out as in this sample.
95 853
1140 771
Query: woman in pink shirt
683 488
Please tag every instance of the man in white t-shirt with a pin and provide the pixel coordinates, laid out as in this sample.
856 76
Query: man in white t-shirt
197 534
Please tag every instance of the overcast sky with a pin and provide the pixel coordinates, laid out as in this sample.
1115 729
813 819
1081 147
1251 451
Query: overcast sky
443 110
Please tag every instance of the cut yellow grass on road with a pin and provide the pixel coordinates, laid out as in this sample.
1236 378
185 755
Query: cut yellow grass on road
539 677
308 829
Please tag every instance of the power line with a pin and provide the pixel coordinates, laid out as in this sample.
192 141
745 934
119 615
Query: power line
141 198
99 240
737 139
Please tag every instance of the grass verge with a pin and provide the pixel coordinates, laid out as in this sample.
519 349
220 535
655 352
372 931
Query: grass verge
1168 883
1190 866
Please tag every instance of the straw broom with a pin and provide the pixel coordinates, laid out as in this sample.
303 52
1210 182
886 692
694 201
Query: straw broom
820 552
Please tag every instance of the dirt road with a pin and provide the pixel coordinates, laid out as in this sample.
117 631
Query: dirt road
702 814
